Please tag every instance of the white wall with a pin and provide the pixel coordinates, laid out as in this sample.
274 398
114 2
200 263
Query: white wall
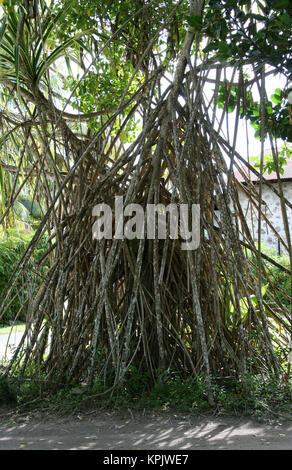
272 210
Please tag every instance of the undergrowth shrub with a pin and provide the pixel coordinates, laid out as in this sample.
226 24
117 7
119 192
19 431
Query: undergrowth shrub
255 395
7 391
12 247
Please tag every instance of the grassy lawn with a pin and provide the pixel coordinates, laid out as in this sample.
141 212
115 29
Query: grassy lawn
18 327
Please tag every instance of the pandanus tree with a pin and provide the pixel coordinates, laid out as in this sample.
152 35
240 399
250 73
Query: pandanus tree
132 99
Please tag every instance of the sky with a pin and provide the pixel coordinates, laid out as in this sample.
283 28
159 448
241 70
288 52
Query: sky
246 143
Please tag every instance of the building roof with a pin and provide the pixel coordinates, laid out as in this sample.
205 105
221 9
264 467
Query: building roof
272 178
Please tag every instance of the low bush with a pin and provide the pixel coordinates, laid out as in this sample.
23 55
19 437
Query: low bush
256 395
7 392
12 247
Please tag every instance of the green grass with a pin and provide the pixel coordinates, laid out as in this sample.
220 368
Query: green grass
17 328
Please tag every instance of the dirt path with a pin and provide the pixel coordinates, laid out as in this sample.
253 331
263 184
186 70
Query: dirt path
155 431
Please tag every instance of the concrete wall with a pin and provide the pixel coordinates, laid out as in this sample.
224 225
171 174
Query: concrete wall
272 210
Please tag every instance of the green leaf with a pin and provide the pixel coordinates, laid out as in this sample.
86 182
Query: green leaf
16 62
2 189
49 26
223 47
264 289
279 4
210 47
58 52
231 108
285 18
276 99
256 16
3 27
195 21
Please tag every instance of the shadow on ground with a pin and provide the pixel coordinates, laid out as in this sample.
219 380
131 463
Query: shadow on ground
157 431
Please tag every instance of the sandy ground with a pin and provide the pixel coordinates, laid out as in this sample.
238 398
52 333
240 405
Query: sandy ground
135 431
